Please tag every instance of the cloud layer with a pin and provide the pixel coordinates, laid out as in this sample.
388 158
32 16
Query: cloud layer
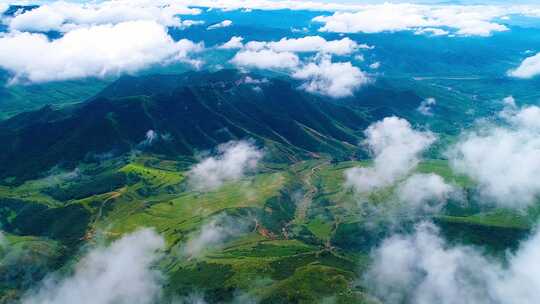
422 268
96 51
343 46
233 160
119 273
391 17
65 16
266 59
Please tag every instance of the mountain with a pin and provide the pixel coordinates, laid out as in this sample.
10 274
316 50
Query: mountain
190 113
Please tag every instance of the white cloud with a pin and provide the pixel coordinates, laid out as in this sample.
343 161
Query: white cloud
152 137
422 268
503 160
234 43
250 80
233 161
375 65
424 193
213 235
426 106
222 24
390 17
96 51
64 16
431 31
343 46
396 148
266 59
188 23
529 68
3 7
509 101
119 273
334 79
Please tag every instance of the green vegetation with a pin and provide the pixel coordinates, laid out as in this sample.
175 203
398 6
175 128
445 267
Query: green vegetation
304 236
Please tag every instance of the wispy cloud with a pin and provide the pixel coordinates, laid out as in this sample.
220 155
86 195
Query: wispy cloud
120 273
232 161
213 234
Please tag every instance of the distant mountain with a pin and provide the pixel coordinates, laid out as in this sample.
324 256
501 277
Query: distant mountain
188 113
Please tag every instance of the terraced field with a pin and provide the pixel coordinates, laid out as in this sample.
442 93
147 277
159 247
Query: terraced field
298 232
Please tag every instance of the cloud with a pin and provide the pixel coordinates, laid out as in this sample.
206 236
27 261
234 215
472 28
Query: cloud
222 24
424 193
375 65
334 79
250 80
503 160
396 148
391 17
422 268
529 68
96 51
233 160
152 137
343 46
322 76
234 43
213 235
65 16
431 31
426 106
266 59
119 273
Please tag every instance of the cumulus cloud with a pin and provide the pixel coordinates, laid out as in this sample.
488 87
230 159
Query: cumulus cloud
426 106
234 43
321 75
222 24
528 68
266 59
391 17
64 16
396 148
343 46
334 79
503 160
422 268
233 160
119 273
213 235
96 51
425 193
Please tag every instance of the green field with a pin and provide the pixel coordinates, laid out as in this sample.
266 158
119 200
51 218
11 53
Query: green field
304 239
